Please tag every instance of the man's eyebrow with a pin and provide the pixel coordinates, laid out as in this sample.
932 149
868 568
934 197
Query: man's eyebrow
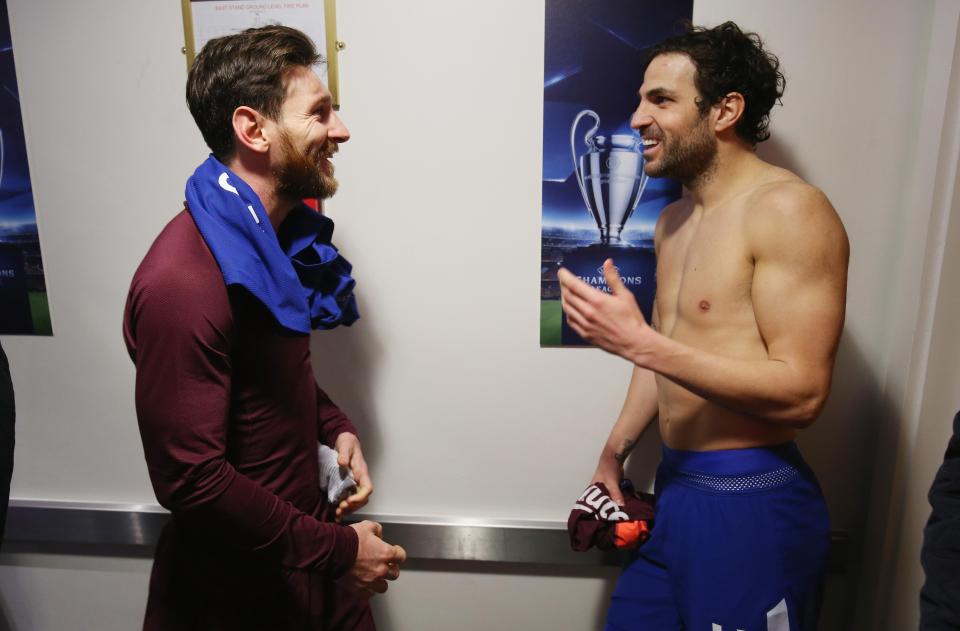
655 92
318 103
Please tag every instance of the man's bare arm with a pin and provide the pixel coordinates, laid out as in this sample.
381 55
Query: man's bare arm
799 293
639 408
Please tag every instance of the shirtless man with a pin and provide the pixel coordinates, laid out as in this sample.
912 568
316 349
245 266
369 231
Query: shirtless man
751 286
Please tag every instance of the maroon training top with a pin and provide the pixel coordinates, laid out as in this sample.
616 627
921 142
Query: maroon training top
230 415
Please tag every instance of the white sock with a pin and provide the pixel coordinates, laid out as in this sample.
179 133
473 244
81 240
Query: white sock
337 481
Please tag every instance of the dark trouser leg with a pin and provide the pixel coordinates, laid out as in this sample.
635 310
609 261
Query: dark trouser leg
346 611
7 417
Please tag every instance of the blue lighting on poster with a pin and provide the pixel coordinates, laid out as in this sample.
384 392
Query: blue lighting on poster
23 293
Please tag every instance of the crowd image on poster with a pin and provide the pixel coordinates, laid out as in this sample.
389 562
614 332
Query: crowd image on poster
597 201
23 293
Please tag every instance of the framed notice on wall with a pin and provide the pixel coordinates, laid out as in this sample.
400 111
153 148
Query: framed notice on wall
204 20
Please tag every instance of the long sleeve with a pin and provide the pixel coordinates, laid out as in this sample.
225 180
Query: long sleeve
181 334
331 421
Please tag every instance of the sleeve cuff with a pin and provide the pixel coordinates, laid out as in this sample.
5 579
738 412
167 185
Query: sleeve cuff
331 433
345 551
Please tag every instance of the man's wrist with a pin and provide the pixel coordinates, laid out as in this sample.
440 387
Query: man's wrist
607 453
615 451
646 348
344 434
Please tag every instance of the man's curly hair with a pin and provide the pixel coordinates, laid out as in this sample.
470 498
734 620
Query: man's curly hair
729 60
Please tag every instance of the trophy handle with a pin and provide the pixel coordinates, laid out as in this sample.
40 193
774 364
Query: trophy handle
644 178
573 147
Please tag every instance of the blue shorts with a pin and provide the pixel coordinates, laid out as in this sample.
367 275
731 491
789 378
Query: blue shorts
739 544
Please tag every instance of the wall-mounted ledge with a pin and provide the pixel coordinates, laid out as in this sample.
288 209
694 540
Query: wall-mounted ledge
87 524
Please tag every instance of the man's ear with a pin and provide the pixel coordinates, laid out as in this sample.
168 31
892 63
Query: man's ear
248 129
729 111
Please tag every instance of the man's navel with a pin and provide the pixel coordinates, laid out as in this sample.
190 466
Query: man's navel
704 306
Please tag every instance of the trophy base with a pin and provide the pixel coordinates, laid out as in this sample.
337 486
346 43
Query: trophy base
619 244
638 271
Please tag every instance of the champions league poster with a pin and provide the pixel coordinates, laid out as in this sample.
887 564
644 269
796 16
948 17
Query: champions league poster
597 202
23 292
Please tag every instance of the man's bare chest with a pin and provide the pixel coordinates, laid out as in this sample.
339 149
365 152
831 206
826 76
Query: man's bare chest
704 275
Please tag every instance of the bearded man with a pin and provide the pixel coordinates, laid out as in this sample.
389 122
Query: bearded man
751 291
217 322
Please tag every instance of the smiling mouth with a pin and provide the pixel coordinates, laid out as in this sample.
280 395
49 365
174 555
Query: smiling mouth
650 143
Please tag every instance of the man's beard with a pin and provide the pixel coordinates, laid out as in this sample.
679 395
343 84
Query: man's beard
686 158
302 176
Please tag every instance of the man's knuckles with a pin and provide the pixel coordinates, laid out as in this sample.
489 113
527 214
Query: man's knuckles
596 298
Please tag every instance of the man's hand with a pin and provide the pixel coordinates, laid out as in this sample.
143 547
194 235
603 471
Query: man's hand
610 472
350 456
377 561
612 321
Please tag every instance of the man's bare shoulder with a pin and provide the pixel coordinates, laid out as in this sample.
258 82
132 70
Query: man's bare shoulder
786 211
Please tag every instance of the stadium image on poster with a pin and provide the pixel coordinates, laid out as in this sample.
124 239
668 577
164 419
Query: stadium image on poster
23 292
597 201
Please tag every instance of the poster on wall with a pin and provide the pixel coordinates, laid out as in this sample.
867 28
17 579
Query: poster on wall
23 291
597 201
204 20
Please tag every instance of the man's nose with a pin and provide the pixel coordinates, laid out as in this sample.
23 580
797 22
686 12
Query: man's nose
640 119
337 131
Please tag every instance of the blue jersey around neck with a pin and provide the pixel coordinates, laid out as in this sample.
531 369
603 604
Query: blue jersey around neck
297 273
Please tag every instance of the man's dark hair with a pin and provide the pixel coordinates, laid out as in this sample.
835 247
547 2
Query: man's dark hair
729 60
249 68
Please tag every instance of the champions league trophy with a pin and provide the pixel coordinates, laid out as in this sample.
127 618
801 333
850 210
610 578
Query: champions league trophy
610 176
611 180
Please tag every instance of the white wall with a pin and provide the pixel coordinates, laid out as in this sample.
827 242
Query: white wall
53 592
932 384
924 453
462 413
